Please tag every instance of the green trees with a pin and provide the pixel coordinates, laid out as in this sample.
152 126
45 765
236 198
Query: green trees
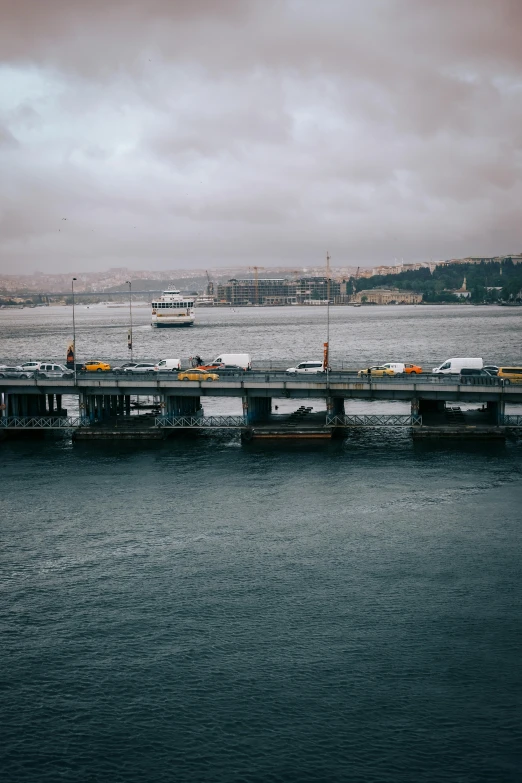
437 287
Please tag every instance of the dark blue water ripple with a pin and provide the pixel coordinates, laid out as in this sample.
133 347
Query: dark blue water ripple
200 611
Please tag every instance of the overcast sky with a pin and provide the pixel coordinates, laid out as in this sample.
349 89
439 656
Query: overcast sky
170 133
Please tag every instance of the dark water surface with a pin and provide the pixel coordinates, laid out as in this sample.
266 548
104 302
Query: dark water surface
198 610
202 611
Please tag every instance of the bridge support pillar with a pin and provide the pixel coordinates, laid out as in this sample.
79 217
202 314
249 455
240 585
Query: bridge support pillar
4 404
50 403
33 404
127 404
496 412
430 406
335 406
415 406
59 403
257 409
182 406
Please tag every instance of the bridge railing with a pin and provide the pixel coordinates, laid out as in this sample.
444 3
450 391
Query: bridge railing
42 422
512 420
200 422
395 420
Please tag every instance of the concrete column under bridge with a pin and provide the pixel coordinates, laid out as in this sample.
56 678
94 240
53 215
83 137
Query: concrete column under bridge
257 409
182 405
335 406
496 411
420 407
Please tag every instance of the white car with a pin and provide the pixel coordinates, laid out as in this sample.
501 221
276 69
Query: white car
141 368
48 370
310 368
31 366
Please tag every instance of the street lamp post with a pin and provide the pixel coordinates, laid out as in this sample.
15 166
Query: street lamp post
74 330
129 338
327 351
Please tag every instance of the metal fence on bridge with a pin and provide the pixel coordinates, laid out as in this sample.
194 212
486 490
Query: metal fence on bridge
42 422
200 422
512 421
397 420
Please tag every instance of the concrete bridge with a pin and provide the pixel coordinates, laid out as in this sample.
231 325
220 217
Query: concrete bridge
105 404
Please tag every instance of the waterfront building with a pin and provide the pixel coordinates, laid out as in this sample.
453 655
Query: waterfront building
281 291
388 296
310 289
463 292
253 292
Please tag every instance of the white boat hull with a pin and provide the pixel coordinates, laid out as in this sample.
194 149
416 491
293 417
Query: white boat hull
172 321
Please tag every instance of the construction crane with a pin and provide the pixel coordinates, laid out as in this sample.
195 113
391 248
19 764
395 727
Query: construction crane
256 282
210 285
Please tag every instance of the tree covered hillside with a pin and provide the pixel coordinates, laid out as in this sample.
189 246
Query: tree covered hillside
437 286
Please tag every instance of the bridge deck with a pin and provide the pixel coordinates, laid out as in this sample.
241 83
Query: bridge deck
275 384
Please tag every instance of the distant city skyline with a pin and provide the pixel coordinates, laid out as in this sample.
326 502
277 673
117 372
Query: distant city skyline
118 276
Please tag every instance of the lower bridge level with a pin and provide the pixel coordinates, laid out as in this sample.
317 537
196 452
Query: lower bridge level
108 409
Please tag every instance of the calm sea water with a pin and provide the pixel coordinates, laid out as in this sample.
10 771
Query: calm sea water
198 610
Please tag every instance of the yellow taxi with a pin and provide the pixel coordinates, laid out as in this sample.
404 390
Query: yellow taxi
510 374
197 374
376 372
96 367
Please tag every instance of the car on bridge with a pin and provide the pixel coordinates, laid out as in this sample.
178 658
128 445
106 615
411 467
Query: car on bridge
141 367
15 372
510 374
306 368
399 368
48 370
123 367
30 366
197 374
379 371
96 366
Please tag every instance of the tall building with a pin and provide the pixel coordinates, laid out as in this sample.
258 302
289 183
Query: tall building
274 291
257 292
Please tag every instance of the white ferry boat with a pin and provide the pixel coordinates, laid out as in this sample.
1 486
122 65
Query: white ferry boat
172 309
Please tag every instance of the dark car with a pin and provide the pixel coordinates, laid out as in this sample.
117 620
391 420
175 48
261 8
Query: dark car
474 371
473 375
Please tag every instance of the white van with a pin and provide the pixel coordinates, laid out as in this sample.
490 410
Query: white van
168 365
457 365
242 360
309 368
397 367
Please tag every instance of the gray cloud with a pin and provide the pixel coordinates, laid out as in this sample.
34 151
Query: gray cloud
261 131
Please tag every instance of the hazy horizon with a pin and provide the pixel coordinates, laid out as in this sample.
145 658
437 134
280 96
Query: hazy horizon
197 134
